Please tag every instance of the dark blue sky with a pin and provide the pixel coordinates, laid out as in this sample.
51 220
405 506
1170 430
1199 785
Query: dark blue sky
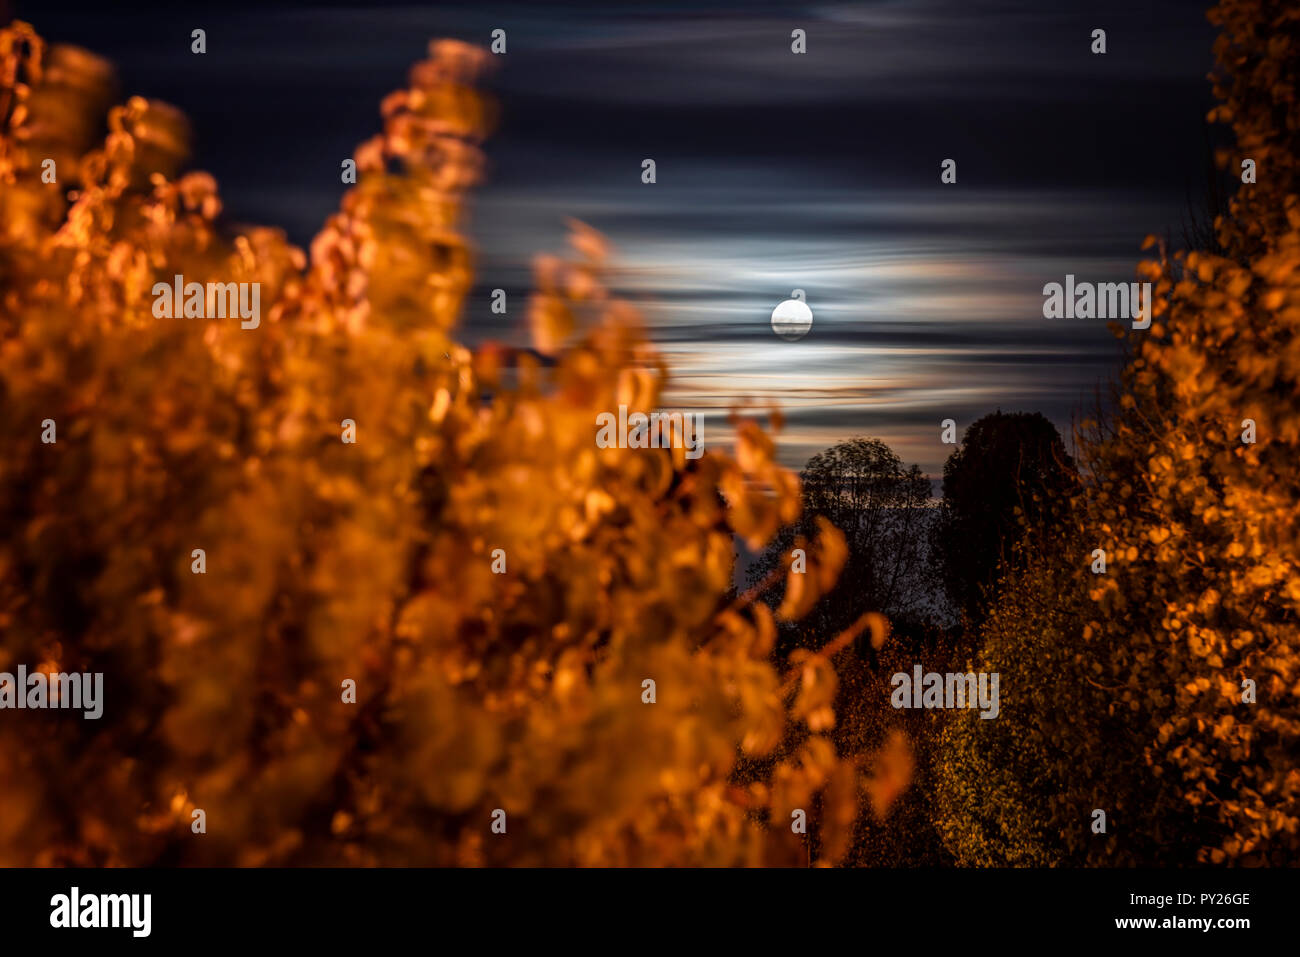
775 172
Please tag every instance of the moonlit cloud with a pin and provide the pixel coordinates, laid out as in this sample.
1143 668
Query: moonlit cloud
775 172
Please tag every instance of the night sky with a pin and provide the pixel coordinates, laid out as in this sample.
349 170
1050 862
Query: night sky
776 171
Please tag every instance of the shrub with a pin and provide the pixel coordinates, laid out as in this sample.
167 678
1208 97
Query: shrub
372 561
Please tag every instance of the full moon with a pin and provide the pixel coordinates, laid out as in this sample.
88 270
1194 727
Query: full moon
791 319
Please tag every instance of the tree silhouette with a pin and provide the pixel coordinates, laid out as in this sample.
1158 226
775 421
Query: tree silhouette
882 508
1010 475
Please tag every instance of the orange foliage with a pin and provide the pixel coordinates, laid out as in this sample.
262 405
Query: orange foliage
370 561
1167 691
